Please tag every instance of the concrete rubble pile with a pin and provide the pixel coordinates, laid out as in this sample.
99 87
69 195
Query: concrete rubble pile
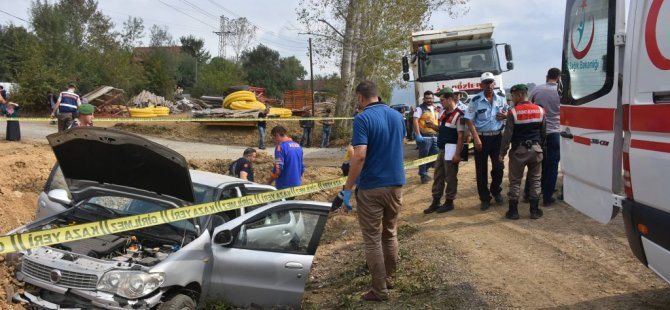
147 98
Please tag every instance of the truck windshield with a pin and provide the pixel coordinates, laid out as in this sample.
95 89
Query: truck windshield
458 64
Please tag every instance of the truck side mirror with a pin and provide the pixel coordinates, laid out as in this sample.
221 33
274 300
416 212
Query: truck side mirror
405 68
510 66
508 52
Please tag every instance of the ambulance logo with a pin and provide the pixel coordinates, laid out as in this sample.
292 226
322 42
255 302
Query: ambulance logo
580 30
651 39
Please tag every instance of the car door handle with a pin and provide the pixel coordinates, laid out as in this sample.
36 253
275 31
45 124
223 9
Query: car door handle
293 265
566 134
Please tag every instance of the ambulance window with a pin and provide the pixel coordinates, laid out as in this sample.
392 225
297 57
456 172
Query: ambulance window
588 50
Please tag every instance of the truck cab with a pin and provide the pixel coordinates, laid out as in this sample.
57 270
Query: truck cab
455 58
615 137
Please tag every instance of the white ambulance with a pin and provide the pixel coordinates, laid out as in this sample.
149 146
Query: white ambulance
615 119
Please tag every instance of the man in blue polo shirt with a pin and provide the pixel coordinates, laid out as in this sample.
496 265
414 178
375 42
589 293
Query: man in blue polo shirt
67 104
377 170
485 118
288 167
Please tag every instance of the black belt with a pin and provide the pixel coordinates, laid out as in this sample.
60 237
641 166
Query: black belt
428 134
528 144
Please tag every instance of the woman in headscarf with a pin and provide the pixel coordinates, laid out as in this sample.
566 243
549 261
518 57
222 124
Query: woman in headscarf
11 109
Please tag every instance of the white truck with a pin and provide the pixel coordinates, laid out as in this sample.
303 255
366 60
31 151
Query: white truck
456 58
615 145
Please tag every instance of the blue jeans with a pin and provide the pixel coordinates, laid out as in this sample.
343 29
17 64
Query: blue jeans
306 139
426 148
551 159
325 136
261 137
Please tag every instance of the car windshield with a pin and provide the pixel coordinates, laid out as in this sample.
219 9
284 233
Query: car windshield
458 64
203 193
124 206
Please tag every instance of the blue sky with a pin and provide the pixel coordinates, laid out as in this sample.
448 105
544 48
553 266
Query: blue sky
533 27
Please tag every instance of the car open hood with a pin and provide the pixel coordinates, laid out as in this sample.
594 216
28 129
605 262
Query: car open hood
112 156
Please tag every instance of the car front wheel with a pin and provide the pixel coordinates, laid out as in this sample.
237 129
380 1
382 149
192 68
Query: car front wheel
178 302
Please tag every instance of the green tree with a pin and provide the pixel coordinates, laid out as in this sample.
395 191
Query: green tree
195 47
160 69
266 69
290 70
217 76
366 48
160 36
132 33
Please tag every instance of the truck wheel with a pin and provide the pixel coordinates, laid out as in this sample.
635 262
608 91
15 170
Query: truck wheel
178 302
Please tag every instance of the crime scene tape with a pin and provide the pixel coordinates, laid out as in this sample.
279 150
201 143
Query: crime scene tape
194 119
35 239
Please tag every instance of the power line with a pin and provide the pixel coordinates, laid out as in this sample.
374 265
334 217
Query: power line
266 30
199 9
12 15
180 11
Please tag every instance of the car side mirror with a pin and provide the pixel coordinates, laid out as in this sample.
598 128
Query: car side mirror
405 68
224 237
508 52
59 196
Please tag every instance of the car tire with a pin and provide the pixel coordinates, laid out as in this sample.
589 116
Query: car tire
178 302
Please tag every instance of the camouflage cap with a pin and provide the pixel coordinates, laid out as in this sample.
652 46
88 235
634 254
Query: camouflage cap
444 91
519 87
86 109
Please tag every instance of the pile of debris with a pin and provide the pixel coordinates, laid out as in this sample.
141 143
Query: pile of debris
146 98
108 101
221 112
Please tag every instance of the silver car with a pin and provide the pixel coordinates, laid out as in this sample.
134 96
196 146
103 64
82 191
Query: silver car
258 256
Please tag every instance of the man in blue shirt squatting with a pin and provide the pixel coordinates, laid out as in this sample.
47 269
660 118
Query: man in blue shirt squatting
288 167
485 118
377 170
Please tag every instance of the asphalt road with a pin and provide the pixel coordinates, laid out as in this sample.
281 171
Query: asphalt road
37 131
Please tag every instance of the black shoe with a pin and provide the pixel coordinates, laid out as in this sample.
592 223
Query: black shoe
498 198
512 215
432 208
261 147
446 207
513 212
425 179
485 205
535 212
549 203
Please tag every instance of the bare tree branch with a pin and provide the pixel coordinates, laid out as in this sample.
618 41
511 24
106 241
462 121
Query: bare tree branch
331 26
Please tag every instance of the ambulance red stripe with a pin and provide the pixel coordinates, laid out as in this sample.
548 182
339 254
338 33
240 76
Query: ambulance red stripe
588 118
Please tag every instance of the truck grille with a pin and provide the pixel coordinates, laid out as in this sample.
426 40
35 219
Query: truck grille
68 279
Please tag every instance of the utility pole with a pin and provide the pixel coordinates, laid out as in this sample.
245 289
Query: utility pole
311 75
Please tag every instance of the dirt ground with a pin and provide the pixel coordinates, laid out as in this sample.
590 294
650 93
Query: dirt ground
463 259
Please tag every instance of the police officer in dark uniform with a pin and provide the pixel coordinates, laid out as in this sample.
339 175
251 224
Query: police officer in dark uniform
485 119
525 131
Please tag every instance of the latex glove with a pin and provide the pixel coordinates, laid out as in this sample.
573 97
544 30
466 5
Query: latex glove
419 138
346 196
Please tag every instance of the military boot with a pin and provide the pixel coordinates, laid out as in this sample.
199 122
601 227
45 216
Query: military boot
446 207
535 212
433 207
513 212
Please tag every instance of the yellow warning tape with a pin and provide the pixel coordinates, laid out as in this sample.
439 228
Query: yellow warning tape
35 239
194 119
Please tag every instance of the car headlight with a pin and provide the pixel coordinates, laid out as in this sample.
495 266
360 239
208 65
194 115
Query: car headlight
129 283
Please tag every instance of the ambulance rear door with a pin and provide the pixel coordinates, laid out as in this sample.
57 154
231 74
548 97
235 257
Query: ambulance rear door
591 110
